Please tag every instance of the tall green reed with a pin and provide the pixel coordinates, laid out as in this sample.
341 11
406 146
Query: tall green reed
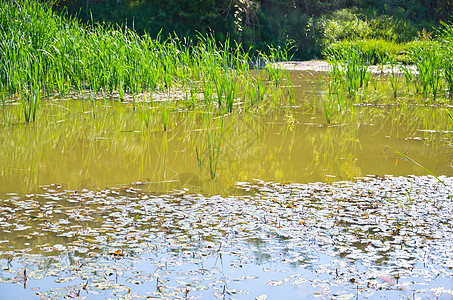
108 59
410 77
429 64
350 66
145 111
395 76
31 91
30 104
273 62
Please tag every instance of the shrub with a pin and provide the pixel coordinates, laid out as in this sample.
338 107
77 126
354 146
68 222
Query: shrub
346 24
390 28
376 50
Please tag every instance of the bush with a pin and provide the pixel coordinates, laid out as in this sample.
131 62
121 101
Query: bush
347 24
377 51
381 51
293 27
392 29
341 25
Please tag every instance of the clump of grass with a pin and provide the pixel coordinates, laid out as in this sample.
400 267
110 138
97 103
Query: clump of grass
329 107
429 65
280 54
31 95
231 92
410 77
395 76
30 104
352 65
145 111
106 59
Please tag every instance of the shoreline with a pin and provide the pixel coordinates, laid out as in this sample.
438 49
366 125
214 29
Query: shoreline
323 66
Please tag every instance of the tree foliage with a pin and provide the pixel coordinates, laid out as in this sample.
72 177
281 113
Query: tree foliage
257 23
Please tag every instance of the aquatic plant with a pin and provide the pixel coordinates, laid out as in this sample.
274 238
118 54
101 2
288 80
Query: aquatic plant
231 92
31 94
356 69
30 104
107 59
273 62
289 91
410 77
350 66
261 86
394 77
448 73
329 107
209 143
431 173
429 65
145 111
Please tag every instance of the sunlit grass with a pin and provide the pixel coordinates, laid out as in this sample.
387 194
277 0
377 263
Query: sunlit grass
44 53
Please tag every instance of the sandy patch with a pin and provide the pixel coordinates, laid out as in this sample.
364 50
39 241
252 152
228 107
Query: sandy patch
323 66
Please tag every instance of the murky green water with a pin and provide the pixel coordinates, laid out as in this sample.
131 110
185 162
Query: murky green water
96 204
74 147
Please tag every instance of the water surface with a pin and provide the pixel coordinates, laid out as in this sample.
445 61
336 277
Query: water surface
97 203
80 146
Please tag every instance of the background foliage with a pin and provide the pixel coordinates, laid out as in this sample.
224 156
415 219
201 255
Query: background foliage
310 24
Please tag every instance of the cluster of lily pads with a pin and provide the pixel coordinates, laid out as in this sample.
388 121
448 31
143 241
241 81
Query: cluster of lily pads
388 237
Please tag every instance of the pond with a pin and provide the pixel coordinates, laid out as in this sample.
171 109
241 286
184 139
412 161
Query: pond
98 201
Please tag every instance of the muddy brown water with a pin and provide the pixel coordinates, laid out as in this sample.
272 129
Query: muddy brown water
71 147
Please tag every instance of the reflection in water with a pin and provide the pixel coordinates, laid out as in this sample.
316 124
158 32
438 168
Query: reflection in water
277 141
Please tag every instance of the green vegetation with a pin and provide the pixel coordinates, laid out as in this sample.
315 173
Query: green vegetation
312 25
45 56
431 173
168 116
418 72
44 53
376 51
